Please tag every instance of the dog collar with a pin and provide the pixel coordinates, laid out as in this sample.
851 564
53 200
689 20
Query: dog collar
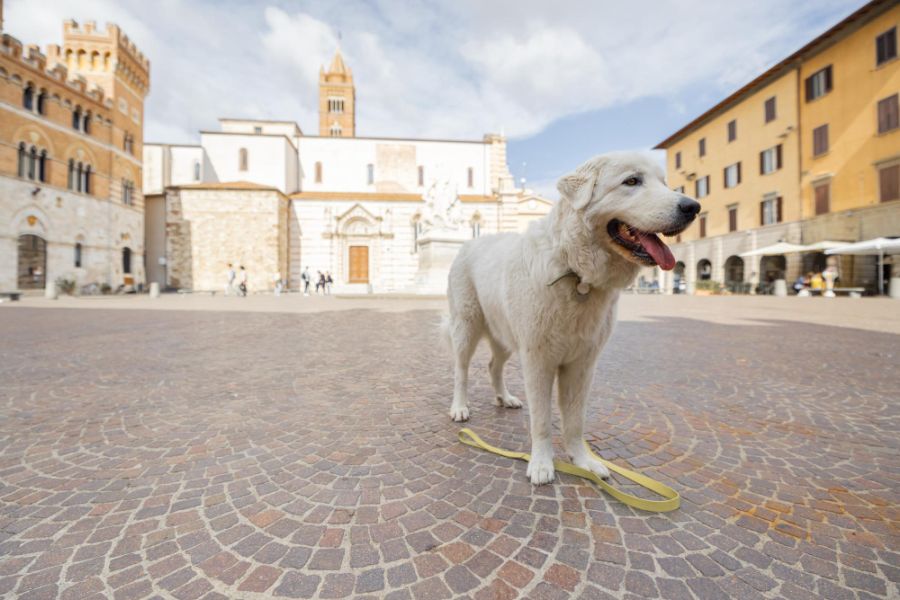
581 287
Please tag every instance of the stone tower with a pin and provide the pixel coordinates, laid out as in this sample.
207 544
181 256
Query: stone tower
337 99
110 60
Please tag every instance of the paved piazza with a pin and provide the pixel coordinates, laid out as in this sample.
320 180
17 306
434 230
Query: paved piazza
207 451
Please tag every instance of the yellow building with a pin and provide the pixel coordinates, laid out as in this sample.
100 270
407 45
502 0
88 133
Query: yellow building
71 135
808 151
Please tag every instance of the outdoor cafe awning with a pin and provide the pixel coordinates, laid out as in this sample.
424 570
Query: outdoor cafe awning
875 247
788 248
775 249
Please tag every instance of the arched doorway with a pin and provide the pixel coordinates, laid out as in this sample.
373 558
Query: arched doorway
734 275
126 260
770 269
679 283
32 268
704 270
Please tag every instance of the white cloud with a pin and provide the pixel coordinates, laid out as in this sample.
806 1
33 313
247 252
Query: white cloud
453 69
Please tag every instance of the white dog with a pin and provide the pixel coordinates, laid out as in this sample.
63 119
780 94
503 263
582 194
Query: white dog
550 294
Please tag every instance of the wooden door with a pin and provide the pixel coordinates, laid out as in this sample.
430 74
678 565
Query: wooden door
359 264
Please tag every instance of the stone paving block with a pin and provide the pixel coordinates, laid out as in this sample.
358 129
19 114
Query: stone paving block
179 469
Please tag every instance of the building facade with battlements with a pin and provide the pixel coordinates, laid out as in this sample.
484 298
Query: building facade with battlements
807 152
71 137
264 195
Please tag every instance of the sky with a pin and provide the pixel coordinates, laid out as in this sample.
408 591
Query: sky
562 80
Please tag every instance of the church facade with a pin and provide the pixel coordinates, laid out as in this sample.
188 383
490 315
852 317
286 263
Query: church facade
264 195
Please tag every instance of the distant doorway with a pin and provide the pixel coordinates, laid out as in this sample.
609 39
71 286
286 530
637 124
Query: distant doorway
679 284
704 270
126 261
734 275
359 264
32 262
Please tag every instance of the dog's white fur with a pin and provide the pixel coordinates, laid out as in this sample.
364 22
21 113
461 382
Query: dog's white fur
499 289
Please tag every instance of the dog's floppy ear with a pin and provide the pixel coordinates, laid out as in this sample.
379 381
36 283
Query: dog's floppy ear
578 187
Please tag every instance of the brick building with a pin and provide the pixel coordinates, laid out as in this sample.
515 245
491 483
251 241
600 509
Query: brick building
71 136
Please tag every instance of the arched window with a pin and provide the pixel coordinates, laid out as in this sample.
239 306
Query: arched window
42 102
23 160
28 97
421 175
471 177
242 159
86 122
42 166
78 254
370 173
79 181
196 170
87 179
76 118
126 260
318 172
335 130
71 180
32 163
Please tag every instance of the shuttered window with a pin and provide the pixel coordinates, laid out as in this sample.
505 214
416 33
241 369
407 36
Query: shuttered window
770 160
770 211
702 147
732 218
770 109
701 187
732 175
823 198
819 83
703 226
888 114
889 183
732 130
678 160
820 140
886 46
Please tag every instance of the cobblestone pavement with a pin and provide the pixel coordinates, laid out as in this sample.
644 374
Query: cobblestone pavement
254 455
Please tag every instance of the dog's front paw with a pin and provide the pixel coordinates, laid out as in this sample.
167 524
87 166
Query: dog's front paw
540 470
459 413
509 401
589 463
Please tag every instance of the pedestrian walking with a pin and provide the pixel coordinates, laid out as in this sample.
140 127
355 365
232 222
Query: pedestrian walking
304 277
243 282
229 280
278 284
320 282
328 282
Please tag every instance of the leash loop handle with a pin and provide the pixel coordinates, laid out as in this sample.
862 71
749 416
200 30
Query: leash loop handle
671 499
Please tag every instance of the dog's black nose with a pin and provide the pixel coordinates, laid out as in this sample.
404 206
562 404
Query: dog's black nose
688 207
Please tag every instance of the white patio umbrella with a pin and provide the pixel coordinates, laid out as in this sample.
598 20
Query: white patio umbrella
775 249
824 246
878 247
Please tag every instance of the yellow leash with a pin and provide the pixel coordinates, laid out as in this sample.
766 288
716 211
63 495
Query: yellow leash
671 502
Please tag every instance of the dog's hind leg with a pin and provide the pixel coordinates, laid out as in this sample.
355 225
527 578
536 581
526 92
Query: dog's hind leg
498 359
466 329
574 387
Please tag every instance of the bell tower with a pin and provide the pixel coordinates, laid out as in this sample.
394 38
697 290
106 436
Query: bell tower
337 99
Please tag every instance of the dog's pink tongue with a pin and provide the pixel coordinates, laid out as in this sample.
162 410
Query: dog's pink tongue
658 250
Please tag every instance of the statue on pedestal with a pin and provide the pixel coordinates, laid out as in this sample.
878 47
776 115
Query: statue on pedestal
443 209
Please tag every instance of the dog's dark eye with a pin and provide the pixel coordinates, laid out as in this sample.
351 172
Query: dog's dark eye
632 181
